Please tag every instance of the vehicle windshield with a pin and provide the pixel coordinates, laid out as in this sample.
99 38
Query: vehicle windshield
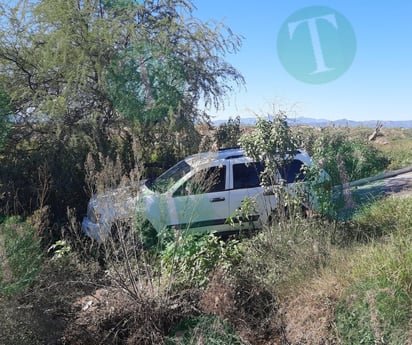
162 183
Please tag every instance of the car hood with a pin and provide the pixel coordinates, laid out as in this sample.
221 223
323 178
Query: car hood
115 203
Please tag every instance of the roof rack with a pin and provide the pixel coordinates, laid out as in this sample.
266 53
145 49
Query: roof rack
235 156
229 148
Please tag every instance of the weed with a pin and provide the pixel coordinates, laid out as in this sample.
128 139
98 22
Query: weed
189 259
397 147
288 251
22 255
228 134
384 217
374 312
338 148
390 260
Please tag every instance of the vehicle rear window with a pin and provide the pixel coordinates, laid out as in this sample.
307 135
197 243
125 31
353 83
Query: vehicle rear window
292 171
247 176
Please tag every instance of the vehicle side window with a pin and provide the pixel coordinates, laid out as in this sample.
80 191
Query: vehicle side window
292 172
205 181
247 176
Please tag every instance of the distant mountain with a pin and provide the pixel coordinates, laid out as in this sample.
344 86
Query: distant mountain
250 121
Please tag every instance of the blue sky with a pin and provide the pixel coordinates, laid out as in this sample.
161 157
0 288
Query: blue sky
377 86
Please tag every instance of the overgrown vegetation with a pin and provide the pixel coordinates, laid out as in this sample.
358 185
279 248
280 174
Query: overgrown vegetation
247 282
101 94
374 311
396 144
21 255
91 77
228 134
189 260
345 154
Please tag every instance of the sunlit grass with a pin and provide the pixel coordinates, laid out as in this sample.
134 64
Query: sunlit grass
396 145
21 256
363 289
373 311
386 216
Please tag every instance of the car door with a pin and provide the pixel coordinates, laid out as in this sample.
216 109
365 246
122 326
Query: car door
246 184
201 203
293 175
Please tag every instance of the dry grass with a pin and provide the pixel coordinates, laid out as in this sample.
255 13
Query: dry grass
308 306
6 275
247 305
309 312
111 316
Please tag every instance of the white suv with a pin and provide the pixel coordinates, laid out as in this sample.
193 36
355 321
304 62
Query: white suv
199 193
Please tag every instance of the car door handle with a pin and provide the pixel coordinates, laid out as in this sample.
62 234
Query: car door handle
216 199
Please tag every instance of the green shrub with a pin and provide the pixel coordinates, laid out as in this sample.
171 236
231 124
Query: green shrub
21 255
347 158
374 312
188 261
5 111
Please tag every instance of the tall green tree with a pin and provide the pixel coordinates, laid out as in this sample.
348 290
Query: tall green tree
228 134
85 75
75 60
5 113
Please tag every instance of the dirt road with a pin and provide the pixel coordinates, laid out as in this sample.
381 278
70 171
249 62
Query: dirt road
359 192
389 183
400 184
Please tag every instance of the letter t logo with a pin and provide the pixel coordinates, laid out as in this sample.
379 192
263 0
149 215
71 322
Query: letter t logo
315 39
316 44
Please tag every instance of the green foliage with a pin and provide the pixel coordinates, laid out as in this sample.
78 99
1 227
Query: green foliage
390 260
374 312
287 251
146 83
244 214
384 217
346 158
5 112
397 147
148 236
121 4
50 171
98 61
100 77
204 329
228 134
377 310
60 249
188 261
272 142
21 255
319 191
